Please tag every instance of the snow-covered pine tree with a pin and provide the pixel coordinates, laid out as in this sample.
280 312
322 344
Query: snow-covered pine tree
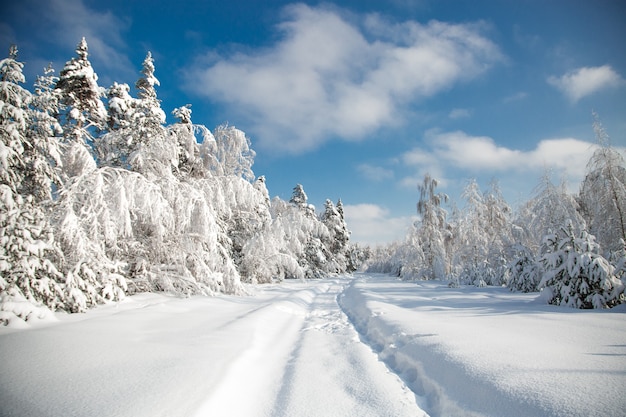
154 153
524 273
14 121
83 114
602 194
333 219
28 275
260 186
187 135
298 196
575 274
300 200
117 144
42 154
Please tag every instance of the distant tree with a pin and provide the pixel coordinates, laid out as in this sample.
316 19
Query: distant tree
342 234
472 240
498 226
575 274
300 200
298 197
602 194
550 207
433 231
233 152
260 186
333 219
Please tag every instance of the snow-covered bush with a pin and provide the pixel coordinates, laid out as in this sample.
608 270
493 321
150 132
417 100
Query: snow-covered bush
575 274
524 273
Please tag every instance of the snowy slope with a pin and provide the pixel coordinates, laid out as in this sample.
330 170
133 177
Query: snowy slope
402 349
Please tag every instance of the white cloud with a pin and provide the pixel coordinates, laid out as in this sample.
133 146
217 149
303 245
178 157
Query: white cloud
586 81
375 173
481 155
459 114
331 76
519 96
372 224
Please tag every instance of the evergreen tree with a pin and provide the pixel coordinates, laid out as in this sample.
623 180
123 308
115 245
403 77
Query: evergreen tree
117 144
575 274
524 272
13 121
300 200
154 152
339 235
298 196
471 251
84 113
185 134
261 187
42 153
28 275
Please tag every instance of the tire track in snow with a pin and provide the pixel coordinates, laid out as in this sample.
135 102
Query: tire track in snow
443 387
243 388
387 344
330 372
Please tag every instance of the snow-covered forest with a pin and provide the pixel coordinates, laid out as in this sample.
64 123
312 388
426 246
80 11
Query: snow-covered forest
569 247
101 198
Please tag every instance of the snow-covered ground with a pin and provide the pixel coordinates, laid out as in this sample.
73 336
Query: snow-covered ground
366 345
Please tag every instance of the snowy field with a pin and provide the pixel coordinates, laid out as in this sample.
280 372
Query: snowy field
351 346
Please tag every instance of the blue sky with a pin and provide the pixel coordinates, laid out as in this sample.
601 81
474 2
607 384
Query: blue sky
359 99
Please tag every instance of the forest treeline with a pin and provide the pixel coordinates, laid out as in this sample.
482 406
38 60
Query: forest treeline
100 198
569 247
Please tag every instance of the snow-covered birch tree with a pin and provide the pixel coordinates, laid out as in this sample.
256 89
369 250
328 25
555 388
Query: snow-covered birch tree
433 232
603 193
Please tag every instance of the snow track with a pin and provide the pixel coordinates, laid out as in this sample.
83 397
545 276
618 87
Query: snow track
331 373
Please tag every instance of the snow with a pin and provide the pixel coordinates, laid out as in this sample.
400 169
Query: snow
366 345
